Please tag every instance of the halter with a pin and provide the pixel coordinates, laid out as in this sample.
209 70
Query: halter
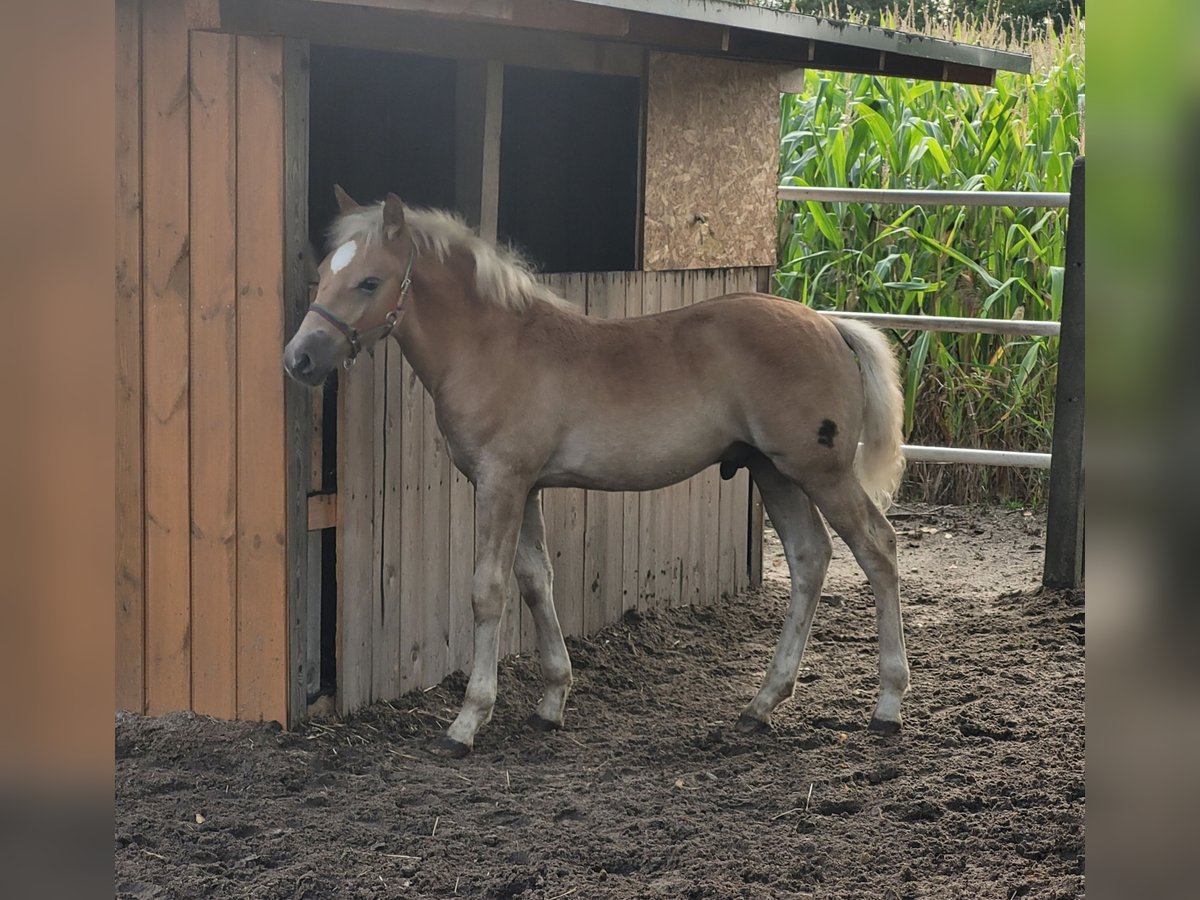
350 332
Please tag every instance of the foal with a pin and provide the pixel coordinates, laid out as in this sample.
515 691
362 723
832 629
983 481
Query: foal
530 394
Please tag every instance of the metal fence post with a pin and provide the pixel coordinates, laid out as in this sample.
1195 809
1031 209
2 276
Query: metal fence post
1064 521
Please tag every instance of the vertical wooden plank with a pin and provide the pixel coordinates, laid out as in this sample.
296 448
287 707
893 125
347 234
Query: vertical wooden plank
213 355
385 614
604 532
650 502
389 637
489 206
570 596
314 565
479 106
130 524
756 536
262 444
297 399
356 508
746 280
435 533
165 276
714 286
692 498
672 509
462 571
763 285
731 516
413 604
631 582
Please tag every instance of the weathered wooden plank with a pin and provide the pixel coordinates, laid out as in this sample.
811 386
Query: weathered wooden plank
742 280
385 614
262 443
389 641
213 354
322 511
568 580
672 509
130 524
728 515
435 529
357 584
604 531
165 278
462 571
297 399
314 563
651 502
413 603
714 286
631 581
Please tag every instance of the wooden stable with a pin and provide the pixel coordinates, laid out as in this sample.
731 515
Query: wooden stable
275 543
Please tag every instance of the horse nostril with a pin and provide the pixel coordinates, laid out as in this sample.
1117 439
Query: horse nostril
302 364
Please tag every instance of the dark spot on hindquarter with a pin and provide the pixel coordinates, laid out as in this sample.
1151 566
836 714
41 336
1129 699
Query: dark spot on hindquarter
827 432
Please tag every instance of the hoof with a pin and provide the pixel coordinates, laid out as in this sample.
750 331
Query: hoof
883 726
537 723
448 747
750 725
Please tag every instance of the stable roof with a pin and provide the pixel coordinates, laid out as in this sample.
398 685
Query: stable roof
716 28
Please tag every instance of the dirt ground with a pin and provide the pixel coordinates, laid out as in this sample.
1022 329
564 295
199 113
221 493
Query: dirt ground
649 792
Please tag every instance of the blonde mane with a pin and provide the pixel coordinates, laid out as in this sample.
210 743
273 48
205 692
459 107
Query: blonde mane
502 275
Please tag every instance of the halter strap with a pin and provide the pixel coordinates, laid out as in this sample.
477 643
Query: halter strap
350 332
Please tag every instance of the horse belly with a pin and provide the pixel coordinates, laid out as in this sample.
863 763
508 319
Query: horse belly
616 458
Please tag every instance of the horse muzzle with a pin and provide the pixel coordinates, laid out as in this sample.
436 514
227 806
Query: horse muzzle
309 358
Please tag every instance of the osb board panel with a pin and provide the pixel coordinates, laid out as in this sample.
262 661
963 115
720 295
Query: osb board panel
712 162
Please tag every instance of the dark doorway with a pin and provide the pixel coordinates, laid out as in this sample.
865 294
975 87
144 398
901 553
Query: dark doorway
569 168
379 122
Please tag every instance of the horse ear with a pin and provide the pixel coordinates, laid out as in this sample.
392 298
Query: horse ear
345 202
393 216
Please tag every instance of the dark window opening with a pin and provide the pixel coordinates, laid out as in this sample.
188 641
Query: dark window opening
379 122
569 169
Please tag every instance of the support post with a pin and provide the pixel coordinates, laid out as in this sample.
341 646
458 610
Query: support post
1064 521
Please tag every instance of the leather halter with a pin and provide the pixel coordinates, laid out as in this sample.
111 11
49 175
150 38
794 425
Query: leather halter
350 332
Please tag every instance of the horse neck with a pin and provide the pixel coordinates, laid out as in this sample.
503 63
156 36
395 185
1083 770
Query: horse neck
446 323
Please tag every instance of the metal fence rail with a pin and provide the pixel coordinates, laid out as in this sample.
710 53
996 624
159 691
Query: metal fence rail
1012 199
952 323
1064 529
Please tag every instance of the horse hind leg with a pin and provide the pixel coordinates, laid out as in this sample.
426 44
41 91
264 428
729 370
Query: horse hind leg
807 547
535 578
872 540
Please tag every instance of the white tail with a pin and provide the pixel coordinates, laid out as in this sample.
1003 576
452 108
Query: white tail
880 459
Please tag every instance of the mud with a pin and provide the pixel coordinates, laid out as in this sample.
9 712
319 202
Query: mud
649 792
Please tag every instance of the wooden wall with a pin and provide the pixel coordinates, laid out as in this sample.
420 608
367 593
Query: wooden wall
712 162
406 535
207 288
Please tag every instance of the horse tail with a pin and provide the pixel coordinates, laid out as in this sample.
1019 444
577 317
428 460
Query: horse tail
880 459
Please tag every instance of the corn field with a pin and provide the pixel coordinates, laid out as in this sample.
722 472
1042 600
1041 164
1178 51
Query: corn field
1022 134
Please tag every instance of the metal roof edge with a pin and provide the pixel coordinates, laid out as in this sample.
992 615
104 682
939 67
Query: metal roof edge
834 31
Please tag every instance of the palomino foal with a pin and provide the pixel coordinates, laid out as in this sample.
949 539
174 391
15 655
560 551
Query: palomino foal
531 394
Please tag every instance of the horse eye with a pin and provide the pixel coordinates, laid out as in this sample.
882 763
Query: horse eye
368 285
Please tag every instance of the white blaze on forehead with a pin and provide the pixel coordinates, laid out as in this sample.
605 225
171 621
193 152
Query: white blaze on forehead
342 257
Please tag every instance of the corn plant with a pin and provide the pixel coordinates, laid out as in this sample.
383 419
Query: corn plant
1021 134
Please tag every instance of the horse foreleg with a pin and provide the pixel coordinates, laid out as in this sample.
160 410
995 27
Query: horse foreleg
497 524
807 548
535 577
